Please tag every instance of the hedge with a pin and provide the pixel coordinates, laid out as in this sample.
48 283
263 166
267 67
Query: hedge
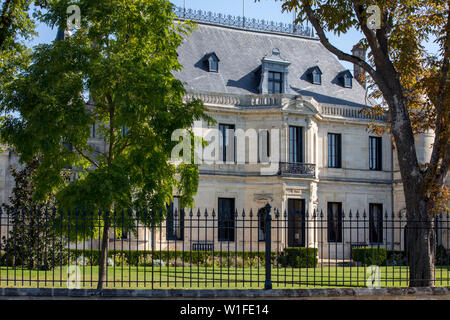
370 256
299 257
142 257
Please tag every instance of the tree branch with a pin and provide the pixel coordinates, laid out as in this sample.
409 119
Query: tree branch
440 148
340 54
86 156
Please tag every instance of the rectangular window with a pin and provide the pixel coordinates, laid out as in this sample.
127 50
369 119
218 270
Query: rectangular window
213 65
334 150
226 219
334 222
295 144
262 224
375 223
264 146
275 82
375 153
227 143
174 221
317 78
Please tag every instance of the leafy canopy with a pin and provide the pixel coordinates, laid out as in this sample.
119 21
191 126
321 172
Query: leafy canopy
123 57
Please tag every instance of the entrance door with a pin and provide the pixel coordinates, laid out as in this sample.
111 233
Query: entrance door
296 222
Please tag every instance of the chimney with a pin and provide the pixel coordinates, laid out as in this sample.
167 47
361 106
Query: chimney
358 72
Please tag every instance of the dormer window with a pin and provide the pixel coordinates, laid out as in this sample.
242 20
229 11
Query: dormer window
212 62
346 79
274 74
315 75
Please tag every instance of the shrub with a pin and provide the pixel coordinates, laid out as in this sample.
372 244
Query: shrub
396 258
298 258
369 256
442 256
194 258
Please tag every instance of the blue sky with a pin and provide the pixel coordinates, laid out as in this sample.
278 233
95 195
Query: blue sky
265 9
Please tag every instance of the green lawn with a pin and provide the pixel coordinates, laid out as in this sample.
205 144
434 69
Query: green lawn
208 277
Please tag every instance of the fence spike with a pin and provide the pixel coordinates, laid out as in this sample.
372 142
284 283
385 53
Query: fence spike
213 213
364 214
251 212
343 213
198 212
285 213
321 213
350 214
277 213
190 213
206 213
243 212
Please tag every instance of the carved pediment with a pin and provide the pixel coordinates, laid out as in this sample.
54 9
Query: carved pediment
263 198
302 106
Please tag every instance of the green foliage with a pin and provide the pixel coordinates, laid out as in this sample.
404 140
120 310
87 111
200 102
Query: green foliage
396 258
32 240
298 257
124 56
442 256
16 27
370 256
202 258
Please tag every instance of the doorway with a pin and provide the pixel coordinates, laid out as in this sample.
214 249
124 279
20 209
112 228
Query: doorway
296 222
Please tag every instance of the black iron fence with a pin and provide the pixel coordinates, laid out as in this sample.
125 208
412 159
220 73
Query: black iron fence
218 248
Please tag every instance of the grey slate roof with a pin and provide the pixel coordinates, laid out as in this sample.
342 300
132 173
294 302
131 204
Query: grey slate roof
240 53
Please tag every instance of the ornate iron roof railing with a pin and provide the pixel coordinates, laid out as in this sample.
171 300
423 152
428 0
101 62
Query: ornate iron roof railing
242 22
298 169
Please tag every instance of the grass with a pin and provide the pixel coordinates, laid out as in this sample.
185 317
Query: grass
208 277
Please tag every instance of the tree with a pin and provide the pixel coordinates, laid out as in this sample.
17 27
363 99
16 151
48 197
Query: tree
16 26
124 56
32 240
414 86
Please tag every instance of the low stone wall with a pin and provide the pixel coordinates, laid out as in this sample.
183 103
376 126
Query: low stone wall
345 293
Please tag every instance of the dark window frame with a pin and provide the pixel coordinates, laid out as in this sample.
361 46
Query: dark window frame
316 77
375 223
224 129
171 223
262 224
334 150
272 81
226 226
375 153
296 155
348 83
334 231
213 64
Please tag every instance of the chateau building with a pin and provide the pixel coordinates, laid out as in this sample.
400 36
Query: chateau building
305 143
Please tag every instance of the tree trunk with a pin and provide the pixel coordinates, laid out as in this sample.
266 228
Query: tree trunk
421 238
103 262
421 247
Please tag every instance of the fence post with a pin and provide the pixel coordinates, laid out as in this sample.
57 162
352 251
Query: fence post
268 260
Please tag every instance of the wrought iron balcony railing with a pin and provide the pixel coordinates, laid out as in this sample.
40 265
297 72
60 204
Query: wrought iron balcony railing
297 169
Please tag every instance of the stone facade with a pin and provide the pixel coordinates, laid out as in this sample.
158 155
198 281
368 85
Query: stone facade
244 104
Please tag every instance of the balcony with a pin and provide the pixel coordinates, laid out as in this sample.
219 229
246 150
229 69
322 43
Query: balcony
297 169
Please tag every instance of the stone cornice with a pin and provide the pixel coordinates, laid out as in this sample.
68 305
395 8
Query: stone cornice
241 102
